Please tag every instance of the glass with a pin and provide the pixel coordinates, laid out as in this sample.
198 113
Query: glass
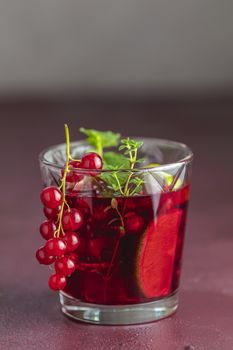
129 259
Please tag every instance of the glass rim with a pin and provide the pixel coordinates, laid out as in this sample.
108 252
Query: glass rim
187 159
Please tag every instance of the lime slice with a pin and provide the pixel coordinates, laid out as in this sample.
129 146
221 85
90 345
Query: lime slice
151 165
156 255
168 178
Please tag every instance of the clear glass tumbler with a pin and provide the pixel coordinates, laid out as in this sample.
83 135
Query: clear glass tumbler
129 259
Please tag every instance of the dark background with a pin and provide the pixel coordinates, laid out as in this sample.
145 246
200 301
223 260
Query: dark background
30 315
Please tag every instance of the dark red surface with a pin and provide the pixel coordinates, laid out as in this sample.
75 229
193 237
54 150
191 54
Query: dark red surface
30 315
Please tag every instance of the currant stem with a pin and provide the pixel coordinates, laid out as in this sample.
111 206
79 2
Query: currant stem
121 218
115 250
67 135
63 184
113 259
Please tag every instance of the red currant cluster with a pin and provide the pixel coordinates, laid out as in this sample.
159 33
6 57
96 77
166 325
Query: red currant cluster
63 221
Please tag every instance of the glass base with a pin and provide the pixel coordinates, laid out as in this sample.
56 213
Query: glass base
118 314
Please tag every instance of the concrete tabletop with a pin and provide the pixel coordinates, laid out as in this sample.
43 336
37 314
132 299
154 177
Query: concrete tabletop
30 316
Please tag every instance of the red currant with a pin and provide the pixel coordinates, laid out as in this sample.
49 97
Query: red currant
43 257
133 223
92 161
97 245
47 229
72 241
51 197
65 266
74 257
55 247
101 215
75 164
72 175
82 249
57 282
51 214
83 206
72 219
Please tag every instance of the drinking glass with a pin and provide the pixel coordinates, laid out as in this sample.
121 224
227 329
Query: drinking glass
129 259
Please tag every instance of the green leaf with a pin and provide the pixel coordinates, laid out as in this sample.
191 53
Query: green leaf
136 180
115 180
101 139
130 143
125 141
138 144
114 186
140 160
115 161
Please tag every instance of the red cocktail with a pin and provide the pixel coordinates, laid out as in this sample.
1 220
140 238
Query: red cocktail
115 230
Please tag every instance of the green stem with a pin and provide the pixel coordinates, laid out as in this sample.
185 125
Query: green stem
132 164
99 148
119 185
63 184
127 185
121 218
135 190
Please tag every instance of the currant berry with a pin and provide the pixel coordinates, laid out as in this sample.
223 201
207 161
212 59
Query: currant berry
133 223
83 206
43 257
102 215
92 161
96 246
55 247
72 241
75 164
57 282
72 219
72 175
51 197
65 266
51 214
47 229
74 257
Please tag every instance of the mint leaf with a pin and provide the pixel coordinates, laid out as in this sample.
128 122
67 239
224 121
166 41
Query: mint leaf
141 160
101 139
115 180
136 180
130 143
137 183
115 160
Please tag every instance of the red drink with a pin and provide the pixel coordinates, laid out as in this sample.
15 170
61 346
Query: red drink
115 225
136 264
